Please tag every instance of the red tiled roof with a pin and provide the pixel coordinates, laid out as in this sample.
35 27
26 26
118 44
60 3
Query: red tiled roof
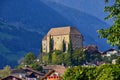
48 74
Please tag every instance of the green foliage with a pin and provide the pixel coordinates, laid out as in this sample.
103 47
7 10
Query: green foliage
70 50
50 57
78 57
61 59
79 73
37 66
29 58
112 34
67 59
51 44
54 58
63 46
118 60
45 58
57 52
57 57
51 50
108 59
103 72
108 72
5 72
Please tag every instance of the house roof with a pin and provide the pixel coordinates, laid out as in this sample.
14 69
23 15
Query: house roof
59 68
26 70
31 74
18 71
11 78
48 74
63 31
109 50
33 71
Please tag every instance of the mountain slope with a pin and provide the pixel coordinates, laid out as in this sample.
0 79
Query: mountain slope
28 17
31 14
92 7
86 23
15 43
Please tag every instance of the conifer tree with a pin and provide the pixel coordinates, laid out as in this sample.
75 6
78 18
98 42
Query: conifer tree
70 49
50 49
63 46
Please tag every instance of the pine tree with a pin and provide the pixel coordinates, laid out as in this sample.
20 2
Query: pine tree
63 46
51 49
70 49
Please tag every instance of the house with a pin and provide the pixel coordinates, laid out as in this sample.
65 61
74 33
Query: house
60 38
52 75
32 74
27 74
114 61
109 52
58 68
91 49
12 78
19 73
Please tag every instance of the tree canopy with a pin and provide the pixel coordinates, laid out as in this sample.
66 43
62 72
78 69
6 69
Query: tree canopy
29 58
112 34
103 72
5 72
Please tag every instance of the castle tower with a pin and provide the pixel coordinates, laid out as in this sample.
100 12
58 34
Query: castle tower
61 37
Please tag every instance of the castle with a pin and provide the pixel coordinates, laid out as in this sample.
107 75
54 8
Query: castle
61 37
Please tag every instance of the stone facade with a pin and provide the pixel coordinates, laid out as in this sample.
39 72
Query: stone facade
61 36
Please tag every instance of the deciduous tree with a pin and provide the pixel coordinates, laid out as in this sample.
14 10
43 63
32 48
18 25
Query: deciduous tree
29 58
5 72
112 34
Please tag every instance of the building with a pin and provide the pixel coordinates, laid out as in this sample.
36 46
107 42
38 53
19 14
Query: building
60 38
110 52
11 78
53 72
59 68
27 74
52 75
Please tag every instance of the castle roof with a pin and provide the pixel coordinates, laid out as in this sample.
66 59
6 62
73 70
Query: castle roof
45 38
63 31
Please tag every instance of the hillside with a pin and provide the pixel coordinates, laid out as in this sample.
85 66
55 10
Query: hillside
86 23
31 14
31 20
15 43
94 8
